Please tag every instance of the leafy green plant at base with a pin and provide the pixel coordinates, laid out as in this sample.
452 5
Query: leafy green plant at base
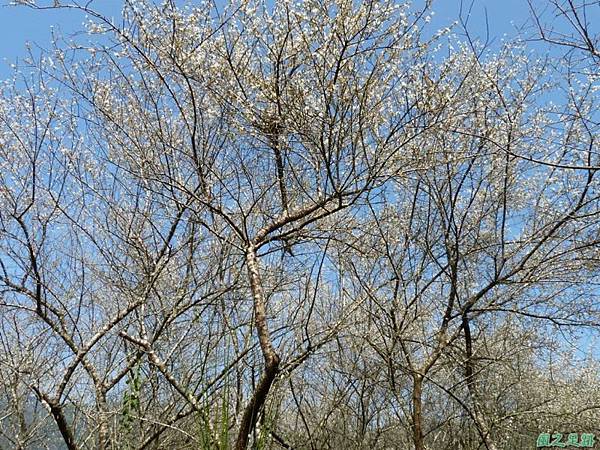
131 401
223 423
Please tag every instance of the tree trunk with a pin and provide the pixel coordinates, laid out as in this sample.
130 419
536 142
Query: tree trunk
103 428
417 412
63 426
270 356
478 413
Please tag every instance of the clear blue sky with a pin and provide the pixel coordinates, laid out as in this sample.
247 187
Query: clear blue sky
503 16
19 25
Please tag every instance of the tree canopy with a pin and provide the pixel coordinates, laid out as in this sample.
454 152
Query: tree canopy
304 225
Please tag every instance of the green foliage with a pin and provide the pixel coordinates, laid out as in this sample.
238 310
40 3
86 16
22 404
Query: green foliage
130 405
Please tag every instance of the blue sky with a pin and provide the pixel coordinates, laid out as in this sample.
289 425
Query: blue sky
19 25
503 16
